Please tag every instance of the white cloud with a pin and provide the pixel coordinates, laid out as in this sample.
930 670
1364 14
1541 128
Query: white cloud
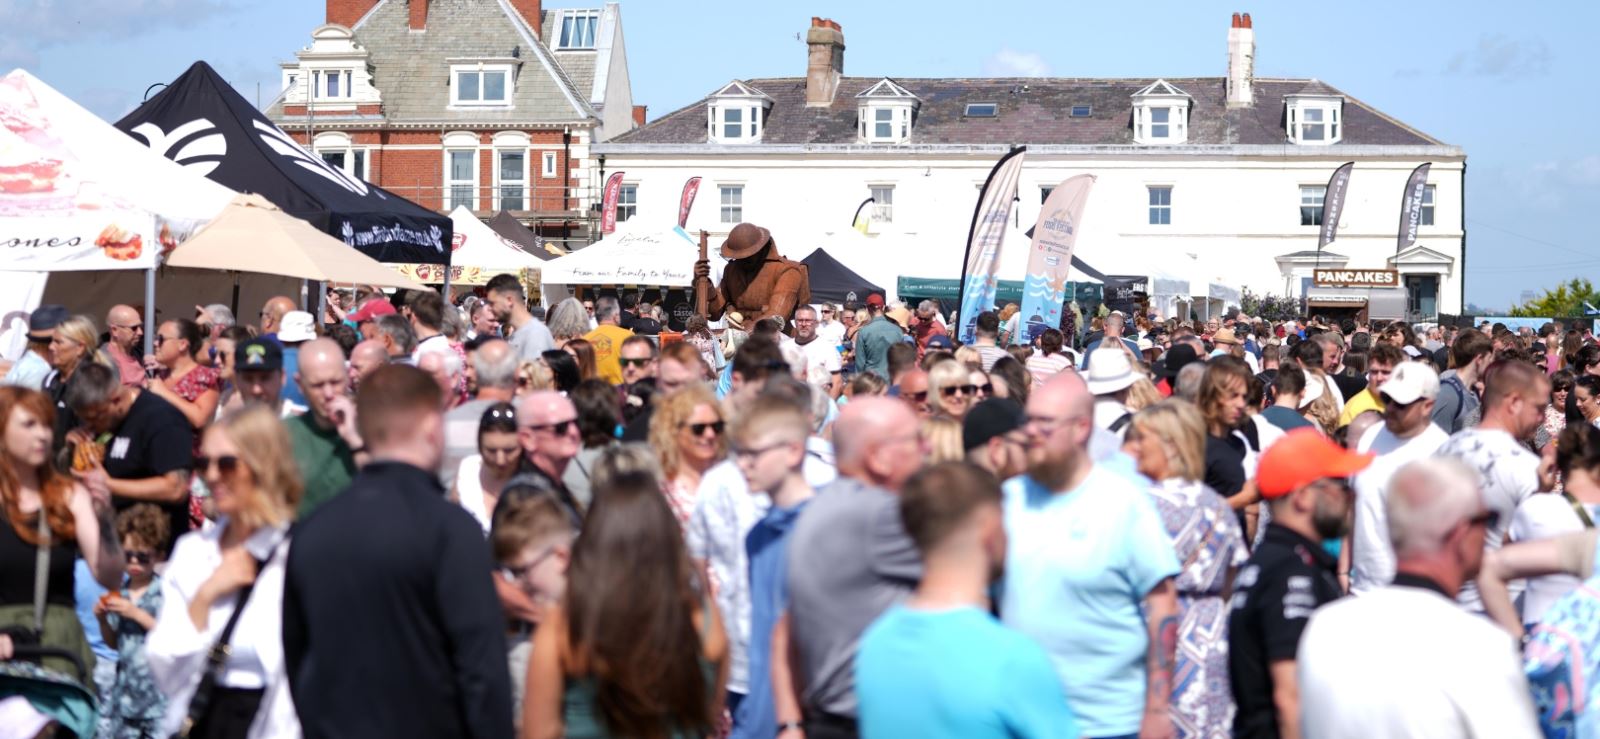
47 23
1011 63
1497 55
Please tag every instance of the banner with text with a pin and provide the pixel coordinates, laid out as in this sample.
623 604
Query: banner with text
1411 206
608 206
691 188
1333 204
984 240
1054 236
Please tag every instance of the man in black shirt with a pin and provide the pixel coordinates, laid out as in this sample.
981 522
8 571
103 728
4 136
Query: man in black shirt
149 445
1304 479
391 626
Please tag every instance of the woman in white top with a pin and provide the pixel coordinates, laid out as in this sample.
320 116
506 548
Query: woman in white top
482 476
248 464
1577 456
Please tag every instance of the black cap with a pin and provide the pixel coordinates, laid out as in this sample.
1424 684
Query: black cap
258 355
1179 356
988 419
46 318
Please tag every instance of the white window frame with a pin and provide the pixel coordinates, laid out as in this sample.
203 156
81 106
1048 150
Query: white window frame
320 78
1160 214
547 164
1308 194
1430 199
456 70
897 116
450 201
501 183
1177 124
1331 121
882 207
562 42
749 124
730 212
357 160
627 201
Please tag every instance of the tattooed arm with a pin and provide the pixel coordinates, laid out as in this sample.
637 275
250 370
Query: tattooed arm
1161 617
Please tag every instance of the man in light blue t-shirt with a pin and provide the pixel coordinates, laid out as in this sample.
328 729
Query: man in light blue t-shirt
1089 571
938 665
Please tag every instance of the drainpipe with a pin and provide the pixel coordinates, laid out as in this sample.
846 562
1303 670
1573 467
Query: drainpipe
566 172
1463 309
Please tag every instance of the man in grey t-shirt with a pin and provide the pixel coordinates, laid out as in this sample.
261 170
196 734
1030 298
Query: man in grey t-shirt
849 560
529 335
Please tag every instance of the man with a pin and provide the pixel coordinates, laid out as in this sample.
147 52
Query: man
645 322
427 320
588 307
258 374
445 368
822 358
849 560
1167 368
637 359
151 445
993 437
295 328
1289 576
1381 360
326 441
399 341
829 329
1007 686
1515 394
678 366
1271 361
758 282
125 329
367 357
874 339
1458 674
272 314
547 429
366 317
1459 406
1289 390
986 338
495 364
607 338
1089 571
1113 325
1333 351
913 389
1109 380
416 629
529 336
1230 344
1309 354
31 370
1407 434
630 311
927 325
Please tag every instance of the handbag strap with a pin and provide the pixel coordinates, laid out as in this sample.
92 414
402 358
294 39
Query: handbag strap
41 571
1583 513
200 701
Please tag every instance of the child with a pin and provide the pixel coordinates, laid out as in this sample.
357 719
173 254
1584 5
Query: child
134 707
769 445
531 538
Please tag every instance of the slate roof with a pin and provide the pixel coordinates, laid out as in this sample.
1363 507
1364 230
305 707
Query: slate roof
1035 111
412 72
579 65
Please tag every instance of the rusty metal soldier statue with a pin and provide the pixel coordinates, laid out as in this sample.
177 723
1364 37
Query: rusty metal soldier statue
758 282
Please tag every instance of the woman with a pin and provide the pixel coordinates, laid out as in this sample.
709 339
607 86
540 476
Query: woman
1229 457
482 476
192 389
567 321
698 333
225 345
734 334
583 351
1586 391
564 369
42 504
533 376
1010 321
941 440
636 649
950 390
73 344
686 432
1142 394
1011 380
1052 358
1577 457
968 357
599 416
1167 441
249 467
1555 416
1317 406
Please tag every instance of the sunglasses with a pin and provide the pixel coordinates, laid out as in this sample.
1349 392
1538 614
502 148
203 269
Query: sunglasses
985 389
559 428
144 558
951 391
921 397
227 464
699 429
634 362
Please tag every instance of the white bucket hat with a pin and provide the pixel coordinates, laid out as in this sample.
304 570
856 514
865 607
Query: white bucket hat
1109 371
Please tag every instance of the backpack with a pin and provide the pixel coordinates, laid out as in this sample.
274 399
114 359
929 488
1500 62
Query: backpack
1454 383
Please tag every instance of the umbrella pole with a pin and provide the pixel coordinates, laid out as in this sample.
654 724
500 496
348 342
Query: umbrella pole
446 293
149 311
234 306
322 306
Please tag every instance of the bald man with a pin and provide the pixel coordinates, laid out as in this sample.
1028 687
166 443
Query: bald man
327 443
366 357
272 316
126 329
547 428
1089 572
849 560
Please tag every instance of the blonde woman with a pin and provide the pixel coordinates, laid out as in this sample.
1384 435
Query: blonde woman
1317 404
248 464
686 431
1142 394
969 357
533 376
941 437
1167 441
74 344
951 391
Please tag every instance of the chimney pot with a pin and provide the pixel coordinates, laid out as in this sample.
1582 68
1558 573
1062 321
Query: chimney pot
824 61
1247 20
1235 20
816 22
639 114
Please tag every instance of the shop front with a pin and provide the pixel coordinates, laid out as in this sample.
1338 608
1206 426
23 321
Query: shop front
1357 294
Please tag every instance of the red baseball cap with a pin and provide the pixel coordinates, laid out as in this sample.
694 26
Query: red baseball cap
372 309
875 299
1301 457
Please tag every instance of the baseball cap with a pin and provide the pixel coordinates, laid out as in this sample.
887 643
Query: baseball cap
875 299
297 326
1410 382
1315 387
372 309
1301 457
988 419
258 355
940 341
46 318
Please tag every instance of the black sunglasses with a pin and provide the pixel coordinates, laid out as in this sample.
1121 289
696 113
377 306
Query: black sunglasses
963 389
985 389
634 361
921 397
559 428
227 464
699 429
144 558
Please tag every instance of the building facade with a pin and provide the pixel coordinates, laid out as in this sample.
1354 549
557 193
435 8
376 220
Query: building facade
490 104
1205 186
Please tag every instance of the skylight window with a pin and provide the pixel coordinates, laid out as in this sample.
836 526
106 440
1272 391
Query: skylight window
1082 111
982 110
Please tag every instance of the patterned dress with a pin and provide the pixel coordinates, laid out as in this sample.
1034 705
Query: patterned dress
1210 545
192 385
134 707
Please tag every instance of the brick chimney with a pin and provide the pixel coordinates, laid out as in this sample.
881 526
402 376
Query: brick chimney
347 12
824 61
419 14
1241 62
639 114
532 11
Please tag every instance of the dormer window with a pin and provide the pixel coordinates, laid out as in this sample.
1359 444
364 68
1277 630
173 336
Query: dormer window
480 85
886 113
736 114
1315 120
331 74
578 30
1161 114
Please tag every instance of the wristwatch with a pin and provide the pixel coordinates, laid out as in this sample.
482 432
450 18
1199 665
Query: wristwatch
787 725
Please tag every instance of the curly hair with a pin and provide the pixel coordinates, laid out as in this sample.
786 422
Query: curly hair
144 523
672 412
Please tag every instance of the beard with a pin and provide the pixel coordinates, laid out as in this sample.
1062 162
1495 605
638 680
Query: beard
1329 521
1051 473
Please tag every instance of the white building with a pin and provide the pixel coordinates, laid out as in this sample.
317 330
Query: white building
1207 186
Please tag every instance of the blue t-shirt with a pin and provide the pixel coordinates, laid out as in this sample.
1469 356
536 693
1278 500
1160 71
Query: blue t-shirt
1078 567
291 384
955 673
767 554
85 591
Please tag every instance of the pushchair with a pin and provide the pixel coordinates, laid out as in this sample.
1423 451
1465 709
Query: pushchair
61 705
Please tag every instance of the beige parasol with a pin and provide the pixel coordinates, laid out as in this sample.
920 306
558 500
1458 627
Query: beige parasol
253 235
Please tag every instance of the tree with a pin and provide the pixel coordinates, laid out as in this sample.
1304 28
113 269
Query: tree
1565 300
1270 307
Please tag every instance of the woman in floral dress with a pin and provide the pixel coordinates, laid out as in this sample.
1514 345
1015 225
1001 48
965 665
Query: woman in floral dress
1168 442
189 386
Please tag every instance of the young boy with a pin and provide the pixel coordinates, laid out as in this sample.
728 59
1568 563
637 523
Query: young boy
769 445
134 707
531 538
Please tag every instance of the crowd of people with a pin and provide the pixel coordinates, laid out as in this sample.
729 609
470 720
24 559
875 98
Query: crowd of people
421 517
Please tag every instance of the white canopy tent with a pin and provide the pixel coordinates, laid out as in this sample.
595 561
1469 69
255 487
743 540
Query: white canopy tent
632 256
478 253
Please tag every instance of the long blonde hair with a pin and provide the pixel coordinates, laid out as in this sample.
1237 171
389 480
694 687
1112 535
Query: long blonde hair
671 413
263 446
1178 424
942 435
82 330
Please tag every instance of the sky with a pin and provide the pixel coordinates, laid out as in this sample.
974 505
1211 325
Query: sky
1505 82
